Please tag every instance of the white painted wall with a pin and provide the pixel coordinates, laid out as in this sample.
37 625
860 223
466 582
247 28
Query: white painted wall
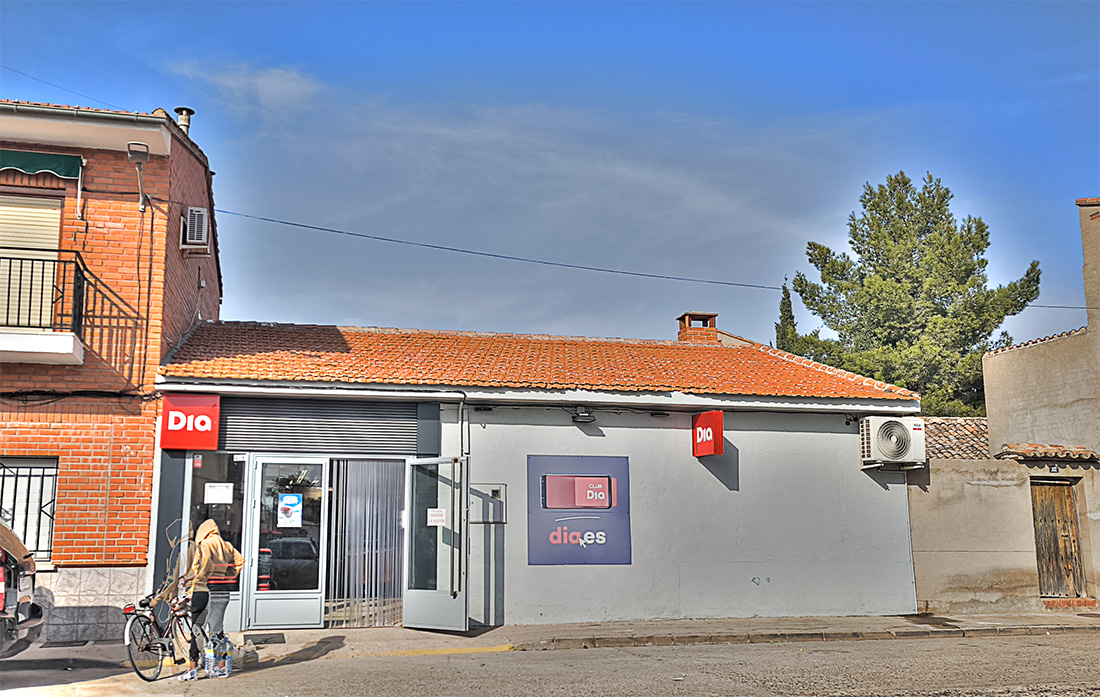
783 524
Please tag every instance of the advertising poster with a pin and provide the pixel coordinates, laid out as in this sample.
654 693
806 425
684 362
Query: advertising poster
290 511
578 510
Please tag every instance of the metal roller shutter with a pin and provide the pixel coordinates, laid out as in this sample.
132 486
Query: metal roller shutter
314 425
27 221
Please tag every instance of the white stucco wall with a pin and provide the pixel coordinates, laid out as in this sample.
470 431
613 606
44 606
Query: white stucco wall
783 524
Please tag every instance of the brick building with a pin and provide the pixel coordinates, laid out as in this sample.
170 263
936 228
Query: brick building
108 256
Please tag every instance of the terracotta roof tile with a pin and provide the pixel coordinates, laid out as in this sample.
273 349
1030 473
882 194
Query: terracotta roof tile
17 102
1035 451
371 355
956 437
1045 339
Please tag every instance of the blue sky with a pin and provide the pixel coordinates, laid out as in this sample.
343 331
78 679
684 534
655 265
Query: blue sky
709 140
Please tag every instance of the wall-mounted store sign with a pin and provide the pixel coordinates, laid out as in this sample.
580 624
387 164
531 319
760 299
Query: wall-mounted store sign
578 510
706 434
190 422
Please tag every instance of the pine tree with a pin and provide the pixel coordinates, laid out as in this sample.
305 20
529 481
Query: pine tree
912 307
786 331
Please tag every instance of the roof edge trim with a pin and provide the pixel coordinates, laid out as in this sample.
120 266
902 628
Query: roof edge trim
635 399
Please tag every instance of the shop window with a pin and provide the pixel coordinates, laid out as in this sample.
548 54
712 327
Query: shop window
290 527
217 493
28 489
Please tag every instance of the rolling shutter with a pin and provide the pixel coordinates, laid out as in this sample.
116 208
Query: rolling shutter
33 226
314 425
27 221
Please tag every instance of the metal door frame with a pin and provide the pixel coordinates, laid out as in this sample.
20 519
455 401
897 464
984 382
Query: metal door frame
444 608
249 593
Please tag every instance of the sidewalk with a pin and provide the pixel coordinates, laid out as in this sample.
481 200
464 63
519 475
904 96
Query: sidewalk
396 641
101 669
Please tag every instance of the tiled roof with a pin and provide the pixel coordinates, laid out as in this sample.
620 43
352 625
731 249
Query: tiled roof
1045 339
1035 451
956 437
371 355
16 102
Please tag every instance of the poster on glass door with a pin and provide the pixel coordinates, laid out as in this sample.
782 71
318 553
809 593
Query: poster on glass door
290 511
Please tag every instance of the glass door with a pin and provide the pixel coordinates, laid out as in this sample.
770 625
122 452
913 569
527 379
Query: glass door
287 542
438 494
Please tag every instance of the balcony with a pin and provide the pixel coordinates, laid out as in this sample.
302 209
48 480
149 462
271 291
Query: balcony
43 295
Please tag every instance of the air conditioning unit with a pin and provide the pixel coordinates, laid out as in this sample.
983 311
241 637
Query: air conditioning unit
194 229
890 440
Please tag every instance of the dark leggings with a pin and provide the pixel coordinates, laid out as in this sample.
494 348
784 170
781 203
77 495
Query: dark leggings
198 617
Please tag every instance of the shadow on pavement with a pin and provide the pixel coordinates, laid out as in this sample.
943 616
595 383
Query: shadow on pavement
930 620
315 650
41 671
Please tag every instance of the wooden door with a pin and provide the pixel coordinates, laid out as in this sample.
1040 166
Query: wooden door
1056 546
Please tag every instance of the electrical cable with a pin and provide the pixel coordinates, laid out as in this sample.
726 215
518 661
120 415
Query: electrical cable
493 255
66 89
528 260
490 255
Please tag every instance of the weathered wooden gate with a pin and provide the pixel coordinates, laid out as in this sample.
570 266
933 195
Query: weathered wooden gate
1056 544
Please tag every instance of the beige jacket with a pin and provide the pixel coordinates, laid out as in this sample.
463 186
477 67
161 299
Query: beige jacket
216 564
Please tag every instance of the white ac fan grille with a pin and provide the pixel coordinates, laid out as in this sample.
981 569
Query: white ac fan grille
892 439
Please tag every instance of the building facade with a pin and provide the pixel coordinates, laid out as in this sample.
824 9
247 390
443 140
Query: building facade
98 282
1007 516
438 479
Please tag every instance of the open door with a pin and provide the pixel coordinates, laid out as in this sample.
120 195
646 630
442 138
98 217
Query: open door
438 493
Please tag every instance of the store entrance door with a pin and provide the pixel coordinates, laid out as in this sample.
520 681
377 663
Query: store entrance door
284 585
436 557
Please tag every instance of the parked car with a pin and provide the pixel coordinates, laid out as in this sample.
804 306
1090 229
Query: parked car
294 563
21 619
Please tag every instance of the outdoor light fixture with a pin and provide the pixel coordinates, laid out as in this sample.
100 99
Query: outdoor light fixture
139 155
583 415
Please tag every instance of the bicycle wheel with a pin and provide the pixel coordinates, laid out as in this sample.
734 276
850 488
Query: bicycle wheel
146 653
181 631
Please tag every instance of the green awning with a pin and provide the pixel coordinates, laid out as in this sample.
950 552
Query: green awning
64 166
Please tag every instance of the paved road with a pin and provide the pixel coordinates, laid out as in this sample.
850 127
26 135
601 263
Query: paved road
1047 666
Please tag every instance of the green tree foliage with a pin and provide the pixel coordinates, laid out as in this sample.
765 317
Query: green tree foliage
911 307
786 331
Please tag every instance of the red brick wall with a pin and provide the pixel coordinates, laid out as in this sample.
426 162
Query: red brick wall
122 249
104 451
185 302
147 296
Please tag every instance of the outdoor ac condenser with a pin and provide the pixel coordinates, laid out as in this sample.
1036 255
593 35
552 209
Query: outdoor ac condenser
891 440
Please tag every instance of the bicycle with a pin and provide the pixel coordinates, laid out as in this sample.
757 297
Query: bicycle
148 642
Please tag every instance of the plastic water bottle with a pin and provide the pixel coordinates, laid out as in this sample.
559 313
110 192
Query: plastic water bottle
210 662
227 649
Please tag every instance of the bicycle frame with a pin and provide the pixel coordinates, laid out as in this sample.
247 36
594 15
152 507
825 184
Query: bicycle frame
164 636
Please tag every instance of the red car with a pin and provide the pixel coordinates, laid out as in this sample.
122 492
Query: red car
21 619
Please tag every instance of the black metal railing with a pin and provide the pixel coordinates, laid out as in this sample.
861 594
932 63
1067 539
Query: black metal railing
28 490
42 289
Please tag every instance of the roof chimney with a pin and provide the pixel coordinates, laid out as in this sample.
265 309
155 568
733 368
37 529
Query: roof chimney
698 328
184 120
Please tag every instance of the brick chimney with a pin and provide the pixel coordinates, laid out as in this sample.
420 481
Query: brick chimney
698 328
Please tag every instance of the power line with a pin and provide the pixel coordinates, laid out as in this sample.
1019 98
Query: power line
543 262
492 255
66 89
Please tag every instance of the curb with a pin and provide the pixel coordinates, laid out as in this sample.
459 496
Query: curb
627 641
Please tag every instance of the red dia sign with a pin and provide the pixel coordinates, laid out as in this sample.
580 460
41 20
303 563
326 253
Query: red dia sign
190 422
706 434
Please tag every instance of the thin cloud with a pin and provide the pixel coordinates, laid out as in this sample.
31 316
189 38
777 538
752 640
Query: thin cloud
247 92
727 200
